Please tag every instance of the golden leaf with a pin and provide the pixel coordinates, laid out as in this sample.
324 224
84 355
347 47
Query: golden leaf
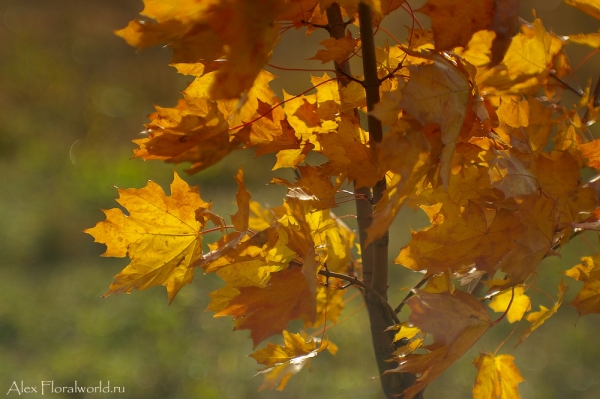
519 303
588 299
284 361
497 377
538 318
161 235
592 7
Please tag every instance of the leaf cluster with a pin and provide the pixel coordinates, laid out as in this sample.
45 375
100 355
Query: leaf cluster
476 137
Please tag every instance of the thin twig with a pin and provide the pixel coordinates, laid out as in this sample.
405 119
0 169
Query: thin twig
579 92
341 71
411 293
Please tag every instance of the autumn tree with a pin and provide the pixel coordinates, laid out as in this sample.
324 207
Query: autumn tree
475 136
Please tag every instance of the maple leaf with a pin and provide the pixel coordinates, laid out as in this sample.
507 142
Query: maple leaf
337 50
526 63
497 377
513 112
538 216
590 39
241 31
460 237
314 186
438 93
453 23
517 300
439 283
284 361
349 154
267 311
409 170
588 299
161 235
456 322
198 135
538 318
592 7
241 219
591 151
510 173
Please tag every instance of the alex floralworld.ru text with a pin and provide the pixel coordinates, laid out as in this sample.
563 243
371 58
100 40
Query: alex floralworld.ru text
47 387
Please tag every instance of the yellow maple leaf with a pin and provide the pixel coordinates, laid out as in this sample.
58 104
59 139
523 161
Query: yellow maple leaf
439 283
538 318
592 7
461 237
590 39
497 377
161 235
337 50
282 361
518 301
588 299
349 153
514 112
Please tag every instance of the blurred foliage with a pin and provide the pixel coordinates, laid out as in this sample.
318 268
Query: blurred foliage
72 97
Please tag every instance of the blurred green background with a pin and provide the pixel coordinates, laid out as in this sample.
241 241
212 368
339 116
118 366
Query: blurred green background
72 97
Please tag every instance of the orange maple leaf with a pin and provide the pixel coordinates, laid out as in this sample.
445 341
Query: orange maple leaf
162 236
453 23
456 322
439 93
591 151
215 33
267 311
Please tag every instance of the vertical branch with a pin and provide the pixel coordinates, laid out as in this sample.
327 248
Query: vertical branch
374 256
376 274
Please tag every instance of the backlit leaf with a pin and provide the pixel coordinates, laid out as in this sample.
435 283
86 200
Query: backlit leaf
588 299
283 361
453 23
538 318
592 7
161 235
515 298
267 311
439 93
497 377
456 322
